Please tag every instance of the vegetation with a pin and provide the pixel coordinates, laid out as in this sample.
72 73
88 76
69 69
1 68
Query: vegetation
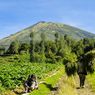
91 80
2 50
13 48
49 84
13 75
43 57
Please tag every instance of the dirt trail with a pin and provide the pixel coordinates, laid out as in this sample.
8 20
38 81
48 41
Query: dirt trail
74 89
66 86
83 91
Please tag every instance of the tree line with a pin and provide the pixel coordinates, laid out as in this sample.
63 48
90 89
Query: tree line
63 49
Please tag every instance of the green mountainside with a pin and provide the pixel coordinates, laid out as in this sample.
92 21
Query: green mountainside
49 29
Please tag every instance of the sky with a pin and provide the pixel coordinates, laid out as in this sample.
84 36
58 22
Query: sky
16 15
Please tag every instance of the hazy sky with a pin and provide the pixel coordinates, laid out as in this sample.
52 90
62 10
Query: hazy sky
18 14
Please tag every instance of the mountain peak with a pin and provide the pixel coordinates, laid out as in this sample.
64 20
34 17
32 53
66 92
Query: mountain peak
49 28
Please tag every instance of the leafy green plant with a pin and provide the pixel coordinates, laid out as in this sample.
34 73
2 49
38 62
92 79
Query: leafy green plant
12 75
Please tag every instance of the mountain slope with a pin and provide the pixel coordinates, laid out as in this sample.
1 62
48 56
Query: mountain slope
49 28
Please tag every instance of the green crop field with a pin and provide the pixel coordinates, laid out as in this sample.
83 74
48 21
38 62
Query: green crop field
14 73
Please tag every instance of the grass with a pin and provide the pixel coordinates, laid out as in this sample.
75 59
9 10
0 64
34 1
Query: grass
59 82
91 80
67 86
49 84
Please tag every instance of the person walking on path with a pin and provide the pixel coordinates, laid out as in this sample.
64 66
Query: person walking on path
82 71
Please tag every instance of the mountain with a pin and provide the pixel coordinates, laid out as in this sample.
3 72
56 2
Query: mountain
49 28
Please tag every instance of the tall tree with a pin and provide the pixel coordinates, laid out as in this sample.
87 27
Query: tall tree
42 43
32 47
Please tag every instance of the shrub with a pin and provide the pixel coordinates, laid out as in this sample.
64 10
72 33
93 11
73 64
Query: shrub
70 68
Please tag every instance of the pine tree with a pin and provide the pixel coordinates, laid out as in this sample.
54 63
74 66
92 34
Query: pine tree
32 47
43 46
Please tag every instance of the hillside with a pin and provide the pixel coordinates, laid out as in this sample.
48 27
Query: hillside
49 28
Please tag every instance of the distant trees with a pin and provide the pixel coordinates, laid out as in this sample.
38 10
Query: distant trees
2 50
83 46
24 47
13 48
62 49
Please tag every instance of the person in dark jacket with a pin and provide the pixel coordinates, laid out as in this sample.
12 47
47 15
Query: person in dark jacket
31 83
82 71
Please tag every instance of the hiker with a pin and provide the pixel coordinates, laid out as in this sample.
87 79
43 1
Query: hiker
82 71
31 83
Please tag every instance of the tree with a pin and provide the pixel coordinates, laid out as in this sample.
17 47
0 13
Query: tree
57 39
50 51
89 60
2 50
69 61
69 41
13 48
78 49
86 41
43 46
42 43
24 47
60 49
32 47
88 44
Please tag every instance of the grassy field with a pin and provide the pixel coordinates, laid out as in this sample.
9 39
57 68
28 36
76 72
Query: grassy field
49 84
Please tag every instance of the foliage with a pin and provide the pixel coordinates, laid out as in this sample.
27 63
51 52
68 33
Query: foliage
70 68
13 48
90 61
2 50
40 58
17 74
32 47
24 47
70 62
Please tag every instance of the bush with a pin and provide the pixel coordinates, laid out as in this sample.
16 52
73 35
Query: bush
40 58
70 68
90 61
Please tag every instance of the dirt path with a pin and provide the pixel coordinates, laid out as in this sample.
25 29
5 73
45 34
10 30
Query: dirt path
73 85
65 86
83 91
